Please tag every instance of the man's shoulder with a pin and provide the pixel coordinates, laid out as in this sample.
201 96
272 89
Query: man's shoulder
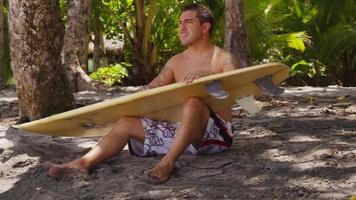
177 57
226 60
222 53
175 60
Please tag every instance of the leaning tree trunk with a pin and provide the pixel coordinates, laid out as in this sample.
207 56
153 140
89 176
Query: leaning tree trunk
36 38
76 41
2 49
235 34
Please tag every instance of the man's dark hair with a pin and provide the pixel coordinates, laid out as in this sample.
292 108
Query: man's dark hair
204 14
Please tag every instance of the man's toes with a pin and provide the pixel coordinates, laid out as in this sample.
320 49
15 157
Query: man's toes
152 177
54 170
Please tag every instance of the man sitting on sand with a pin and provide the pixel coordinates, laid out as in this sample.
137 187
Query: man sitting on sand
201 130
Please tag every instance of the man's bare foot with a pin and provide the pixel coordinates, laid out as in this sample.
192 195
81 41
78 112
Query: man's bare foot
160 173
56 170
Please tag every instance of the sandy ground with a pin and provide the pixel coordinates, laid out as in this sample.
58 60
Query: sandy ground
302 145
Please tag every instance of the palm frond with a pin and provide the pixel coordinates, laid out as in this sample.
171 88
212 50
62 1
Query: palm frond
293 40
335 40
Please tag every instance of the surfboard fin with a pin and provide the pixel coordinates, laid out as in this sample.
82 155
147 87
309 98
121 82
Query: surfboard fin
215 90
248 103
267 85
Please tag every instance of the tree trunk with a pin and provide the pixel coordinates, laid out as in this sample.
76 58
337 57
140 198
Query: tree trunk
76 41
144 50
235 35
348 78
99 48
2 49
36 39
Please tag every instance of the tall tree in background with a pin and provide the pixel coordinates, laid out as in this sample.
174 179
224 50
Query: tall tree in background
76 42
136 20
2 50
145 53
235 34
99 51
36 39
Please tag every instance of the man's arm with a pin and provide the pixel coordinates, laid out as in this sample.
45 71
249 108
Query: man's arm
164 78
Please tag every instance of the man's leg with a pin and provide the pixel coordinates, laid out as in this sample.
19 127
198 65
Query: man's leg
110 145
194 121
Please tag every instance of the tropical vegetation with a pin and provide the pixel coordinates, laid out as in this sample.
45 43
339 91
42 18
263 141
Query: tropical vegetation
316 38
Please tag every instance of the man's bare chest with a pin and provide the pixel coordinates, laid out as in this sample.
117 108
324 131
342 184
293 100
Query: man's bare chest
187 68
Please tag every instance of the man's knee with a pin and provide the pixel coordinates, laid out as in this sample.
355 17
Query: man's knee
131 126
195 104
123 121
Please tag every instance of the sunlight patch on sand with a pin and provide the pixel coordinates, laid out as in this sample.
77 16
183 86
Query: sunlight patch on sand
4 142
325 186
12 170
303 138
7 183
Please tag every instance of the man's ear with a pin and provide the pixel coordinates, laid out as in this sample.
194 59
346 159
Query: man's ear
206 27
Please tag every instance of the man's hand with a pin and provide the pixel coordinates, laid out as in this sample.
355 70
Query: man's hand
190 78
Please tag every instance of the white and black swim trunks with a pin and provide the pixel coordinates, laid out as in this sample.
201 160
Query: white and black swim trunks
159 137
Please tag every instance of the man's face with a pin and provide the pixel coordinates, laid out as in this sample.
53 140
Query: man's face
190 28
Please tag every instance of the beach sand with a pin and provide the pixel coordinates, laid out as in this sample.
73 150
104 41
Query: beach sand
302 145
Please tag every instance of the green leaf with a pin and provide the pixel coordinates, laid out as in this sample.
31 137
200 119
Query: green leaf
296 41
111 75
301 67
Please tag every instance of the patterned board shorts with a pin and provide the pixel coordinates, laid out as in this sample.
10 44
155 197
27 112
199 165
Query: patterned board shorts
159 137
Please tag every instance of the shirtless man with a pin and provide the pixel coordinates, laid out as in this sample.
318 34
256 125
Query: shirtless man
201 130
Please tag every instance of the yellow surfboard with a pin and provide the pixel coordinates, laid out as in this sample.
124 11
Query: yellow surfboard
163 103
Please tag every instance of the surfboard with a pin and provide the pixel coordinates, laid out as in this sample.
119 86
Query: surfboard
162 103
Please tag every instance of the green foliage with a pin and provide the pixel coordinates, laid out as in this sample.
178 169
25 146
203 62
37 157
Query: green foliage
295 32
164 33
296 40
8 76
293 40
303 67
335 39
63 9
311 36
112 74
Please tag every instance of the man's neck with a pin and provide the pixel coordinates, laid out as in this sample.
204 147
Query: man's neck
200 48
